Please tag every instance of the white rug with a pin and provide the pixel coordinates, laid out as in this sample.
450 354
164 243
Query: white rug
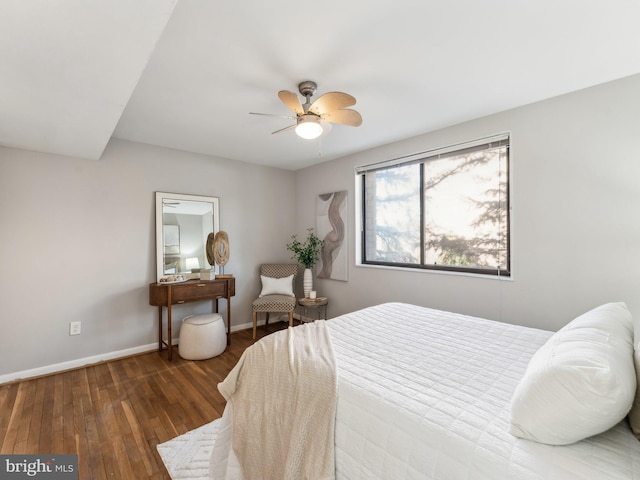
187 456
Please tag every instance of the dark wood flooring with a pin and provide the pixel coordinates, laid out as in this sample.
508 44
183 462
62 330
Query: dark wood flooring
113 414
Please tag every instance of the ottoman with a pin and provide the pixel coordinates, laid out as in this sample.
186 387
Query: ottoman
202 337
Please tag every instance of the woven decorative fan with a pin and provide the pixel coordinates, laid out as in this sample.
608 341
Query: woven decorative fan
221 248
210 249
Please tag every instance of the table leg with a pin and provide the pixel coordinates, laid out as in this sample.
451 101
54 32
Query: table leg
160 328
169 333
228 319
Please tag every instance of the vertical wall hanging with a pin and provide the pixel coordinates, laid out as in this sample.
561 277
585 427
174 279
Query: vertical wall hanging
331 226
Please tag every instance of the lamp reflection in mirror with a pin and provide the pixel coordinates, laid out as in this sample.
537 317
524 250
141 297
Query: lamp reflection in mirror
309 127
192 264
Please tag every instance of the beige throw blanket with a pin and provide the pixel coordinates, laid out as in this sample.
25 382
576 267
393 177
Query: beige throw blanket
283 396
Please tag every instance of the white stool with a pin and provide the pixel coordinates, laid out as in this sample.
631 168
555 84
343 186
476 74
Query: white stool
202 337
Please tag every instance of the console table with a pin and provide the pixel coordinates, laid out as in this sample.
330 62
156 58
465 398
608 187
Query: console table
166 295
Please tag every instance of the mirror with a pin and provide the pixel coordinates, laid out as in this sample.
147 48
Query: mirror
183 223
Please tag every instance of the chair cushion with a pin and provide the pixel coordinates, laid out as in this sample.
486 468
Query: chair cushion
277 286
274 303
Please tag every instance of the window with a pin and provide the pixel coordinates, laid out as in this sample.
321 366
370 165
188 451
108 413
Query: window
440 210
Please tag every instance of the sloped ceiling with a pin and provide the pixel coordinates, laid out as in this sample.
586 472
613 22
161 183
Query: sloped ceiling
74 73
68 69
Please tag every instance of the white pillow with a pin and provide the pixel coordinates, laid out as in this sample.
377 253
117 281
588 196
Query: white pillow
277 286
581 382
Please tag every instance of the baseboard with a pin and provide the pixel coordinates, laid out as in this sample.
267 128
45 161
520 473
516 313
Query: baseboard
276 318
83 362
248 325
78 363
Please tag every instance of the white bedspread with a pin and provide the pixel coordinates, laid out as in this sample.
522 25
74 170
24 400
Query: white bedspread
425 394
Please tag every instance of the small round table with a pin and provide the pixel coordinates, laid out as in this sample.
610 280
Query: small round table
314 304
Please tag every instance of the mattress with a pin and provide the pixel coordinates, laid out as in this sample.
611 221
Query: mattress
425 394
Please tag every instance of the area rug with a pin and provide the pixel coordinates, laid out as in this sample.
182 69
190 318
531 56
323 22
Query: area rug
187 456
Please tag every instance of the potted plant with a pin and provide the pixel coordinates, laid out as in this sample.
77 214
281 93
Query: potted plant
307 253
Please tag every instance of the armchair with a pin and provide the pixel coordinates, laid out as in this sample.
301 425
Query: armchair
277 296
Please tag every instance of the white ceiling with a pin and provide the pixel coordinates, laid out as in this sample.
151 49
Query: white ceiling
74 73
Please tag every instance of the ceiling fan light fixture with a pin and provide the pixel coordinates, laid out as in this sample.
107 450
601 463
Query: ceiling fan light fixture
309 127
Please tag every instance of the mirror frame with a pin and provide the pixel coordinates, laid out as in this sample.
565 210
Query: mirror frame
160 198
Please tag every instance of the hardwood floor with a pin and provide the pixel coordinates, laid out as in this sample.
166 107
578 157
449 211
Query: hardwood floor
113 414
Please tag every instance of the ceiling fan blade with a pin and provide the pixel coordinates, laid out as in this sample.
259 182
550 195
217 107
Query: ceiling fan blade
343 117
331 101
292 101
272 115
285 129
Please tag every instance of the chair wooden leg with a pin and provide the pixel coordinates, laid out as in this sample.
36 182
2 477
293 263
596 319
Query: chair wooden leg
266 322
291 319
255 324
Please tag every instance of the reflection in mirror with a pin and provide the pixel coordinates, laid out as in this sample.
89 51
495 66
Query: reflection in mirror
183 223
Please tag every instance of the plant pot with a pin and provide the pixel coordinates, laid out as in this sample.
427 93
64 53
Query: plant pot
307 282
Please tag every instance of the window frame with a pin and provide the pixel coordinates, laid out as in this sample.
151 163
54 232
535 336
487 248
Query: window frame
503 139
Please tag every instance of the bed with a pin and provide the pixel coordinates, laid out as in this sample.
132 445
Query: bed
426 394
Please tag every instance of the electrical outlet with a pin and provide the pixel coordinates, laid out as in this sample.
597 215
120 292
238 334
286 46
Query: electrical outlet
75 328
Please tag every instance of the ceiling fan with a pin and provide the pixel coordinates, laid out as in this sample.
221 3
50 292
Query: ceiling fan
313 118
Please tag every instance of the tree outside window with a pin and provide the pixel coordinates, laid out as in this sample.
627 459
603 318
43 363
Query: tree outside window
444 211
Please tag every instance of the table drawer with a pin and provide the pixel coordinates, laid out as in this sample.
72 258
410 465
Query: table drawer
190 291
196 291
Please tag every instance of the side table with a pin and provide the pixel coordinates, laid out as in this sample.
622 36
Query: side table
316 304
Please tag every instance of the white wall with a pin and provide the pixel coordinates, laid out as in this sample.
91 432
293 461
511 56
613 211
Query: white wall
77 243
575 199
